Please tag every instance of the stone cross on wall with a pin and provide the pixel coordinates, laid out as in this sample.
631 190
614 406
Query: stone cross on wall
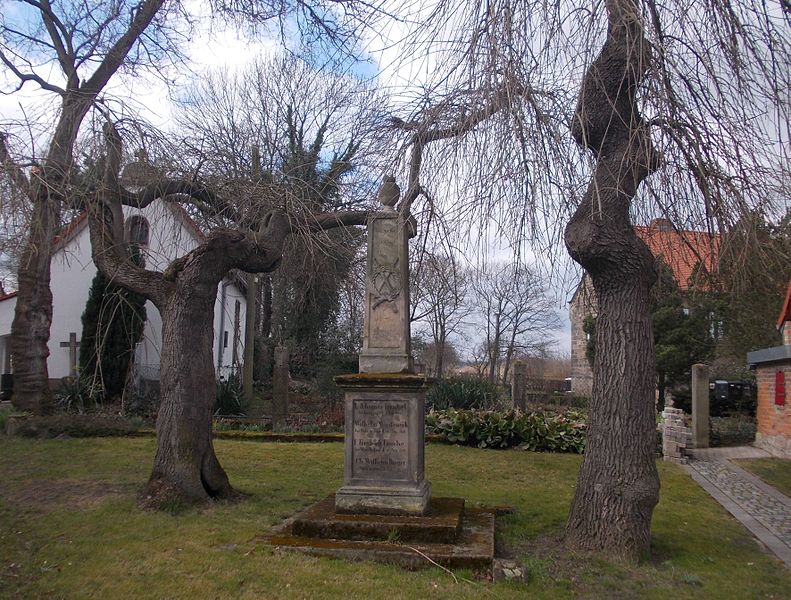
72 345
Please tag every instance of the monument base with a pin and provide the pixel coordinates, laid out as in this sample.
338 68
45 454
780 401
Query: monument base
373 500
450 534
384 440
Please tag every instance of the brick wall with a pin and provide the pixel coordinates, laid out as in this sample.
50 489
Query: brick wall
774 422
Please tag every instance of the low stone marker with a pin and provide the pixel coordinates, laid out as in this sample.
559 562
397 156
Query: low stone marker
280 379
700 406
519 384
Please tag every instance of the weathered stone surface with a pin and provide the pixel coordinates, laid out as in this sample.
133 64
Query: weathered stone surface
386 336
519 385
280 377
504 569
473 549
700 406
385 434
442 523
676 436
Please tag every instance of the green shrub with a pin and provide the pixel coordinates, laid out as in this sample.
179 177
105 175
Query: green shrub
536 431
77 393
463 393
327 370
230 397
736 430
5 412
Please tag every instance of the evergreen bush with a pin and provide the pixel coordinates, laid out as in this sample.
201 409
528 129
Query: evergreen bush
112 325
230 397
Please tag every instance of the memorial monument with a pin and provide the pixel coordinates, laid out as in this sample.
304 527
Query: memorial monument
385 401
384 509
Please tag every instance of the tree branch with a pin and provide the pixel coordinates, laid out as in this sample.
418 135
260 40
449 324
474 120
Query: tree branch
145 13
25 77
107 249
14 171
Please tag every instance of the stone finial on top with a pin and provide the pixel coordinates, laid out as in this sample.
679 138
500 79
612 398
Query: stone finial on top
389 193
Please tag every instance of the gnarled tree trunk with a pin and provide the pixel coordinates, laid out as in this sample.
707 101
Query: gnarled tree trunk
186 468
618 485
33 312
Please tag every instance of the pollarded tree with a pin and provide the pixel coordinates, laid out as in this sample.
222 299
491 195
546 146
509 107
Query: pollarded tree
698 90
186 468
89 42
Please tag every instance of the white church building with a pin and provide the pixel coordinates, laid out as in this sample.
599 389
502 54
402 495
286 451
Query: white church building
164 232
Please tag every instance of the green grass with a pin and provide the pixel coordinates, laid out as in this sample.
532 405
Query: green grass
69 528
774 471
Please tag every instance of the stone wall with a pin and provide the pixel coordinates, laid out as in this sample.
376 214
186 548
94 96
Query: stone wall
676 436
582 304
774 421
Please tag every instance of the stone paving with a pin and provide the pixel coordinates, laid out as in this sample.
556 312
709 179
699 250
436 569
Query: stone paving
761 508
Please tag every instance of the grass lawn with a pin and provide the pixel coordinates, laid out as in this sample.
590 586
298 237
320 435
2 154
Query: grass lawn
69 528
774 471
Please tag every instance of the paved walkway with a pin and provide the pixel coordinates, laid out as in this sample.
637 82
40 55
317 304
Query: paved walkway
758 506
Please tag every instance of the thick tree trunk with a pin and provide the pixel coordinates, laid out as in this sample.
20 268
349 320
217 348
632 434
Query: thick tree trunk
186 468
618 485
33 313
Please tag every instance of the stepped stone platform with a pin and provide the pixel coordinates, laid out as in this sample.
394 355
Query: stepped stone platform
449 534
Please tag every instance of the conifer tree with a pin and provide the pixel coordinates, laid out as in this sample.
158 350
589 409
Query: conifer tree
112 325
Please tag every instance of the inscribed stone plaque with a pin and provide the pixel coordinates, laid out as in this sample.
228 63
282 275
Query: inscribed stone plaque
380 440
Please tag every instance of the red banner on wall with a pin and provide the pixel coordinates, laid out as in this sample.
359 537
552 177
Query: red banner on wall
780 388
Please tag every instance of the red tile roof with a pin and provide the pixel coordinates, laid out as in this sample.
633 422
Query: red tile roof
681 250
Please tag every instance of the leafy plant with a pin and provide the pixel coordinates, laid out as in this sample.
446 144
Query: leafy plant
77 393
536 431
732 431
464 393
230 397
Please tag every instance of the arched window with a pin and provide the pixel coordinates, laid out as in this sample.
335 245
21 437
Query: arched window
137 233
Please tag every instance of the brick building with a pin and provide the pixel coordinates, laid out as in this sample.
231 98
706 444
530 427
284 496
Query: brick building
773 374
683 251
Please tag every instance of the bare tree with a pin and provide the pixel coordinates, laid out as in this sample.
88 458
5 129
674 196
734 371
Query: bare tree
515 313
88 43
711 81
438 291
186 467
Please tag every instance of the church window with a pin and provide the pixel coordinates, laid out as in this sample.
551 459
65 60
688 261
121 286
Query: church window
138 230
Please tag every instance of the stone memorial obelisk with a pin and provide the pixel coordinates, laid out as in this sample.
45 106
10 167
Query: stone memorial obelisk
384 402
